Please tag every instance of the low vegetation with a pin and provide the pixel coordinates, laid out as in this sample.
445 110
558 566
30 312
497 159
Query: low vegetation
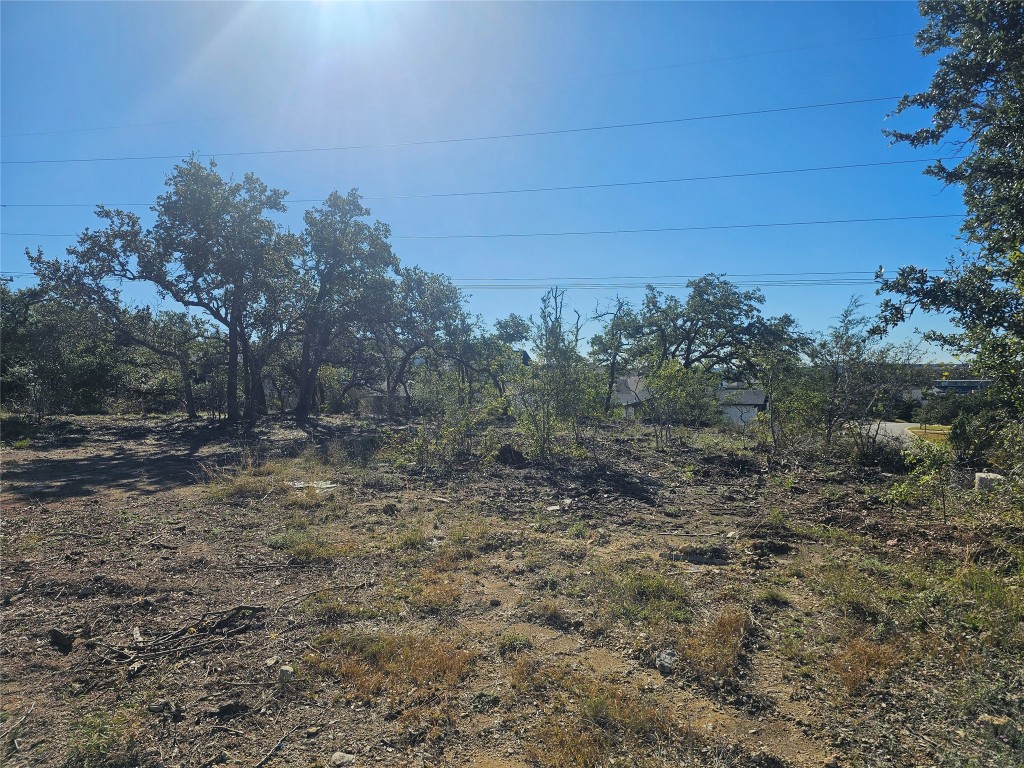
678 604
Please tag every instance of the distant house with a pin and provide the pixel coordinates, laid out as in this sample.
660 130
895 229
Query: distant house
631 393
740 405
370 401
961 386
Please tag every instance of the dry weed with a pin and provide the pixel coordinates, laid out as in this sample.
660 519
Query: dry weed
714 650
862 661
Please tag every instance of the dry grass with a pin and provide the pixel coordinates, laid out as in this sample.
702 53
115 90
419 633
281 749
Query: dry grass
252 478
606 720
530 675
713 650
307 547
513 643
434 595
863 661
936 433
645 596
374 663
334 608
413 534
550 611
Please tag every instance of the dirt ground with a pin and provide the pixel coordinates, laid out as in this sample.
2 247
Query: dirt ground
174 594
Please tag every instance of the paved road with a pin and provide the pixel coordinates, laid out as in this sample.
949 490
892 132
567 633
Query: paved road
897 429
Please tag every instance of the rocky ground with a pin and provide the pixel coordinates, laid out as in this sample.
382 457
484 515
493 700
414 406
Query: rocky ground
177 595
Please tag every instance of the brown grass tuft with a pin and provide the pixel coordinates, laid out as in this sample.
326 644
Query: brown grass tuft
433 595
374 663
715 649
862 661
606 721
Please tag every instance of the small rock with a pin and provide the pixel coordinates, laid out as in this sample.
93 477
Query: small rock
135 669
62 641
986 481
273 661
285 674
170 709
343 758
665 661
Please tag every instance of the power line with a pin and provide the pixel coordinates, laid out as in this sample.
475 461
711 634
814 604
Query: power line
512 86
664 286
646 230
677 277
677 229
462 139
526 190
644 279
794 279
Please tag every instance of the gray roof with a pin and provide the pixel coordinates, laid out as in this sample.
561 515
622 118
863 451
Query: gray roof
735 396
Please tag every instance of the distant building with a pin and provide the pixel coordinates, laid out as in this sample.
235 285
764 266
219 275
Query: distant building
739 404
631 393
961 386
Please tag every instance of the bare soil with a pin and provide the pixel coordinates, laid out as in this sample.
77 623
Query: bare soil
176 594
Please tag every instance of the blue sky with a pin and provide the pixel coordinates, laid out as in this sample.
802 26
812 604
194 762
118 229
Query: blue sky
100 80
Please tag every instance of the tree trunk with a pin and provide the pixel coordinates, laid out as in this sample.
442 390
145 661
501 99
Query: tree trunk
308 370
188 394
256 405
232 393
611 383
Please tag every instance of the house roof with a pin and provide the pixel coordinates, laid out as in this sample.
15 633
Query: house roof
735 396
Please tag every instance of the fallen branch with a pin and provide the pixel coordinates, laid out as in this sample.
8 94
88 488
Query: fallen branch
294 598
18 724
213 627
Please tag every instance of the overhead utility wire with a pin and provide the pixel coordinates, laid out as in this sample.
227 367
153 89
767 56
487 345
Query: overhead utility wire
609 231
643 284
525 190
458 140
511 86
662 277
677 229
617 277
597 286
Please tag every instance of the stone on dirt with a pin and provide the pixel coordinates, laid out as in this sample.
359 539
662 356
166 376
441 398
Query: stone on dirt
343 758
986 481
665 661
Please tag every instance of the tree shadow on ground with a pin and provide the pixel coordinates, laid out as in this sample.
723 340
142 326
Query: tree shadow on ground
143 458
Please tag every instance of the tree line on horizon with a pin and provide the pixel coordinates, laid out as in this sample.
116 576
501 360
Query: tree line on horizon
275 320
